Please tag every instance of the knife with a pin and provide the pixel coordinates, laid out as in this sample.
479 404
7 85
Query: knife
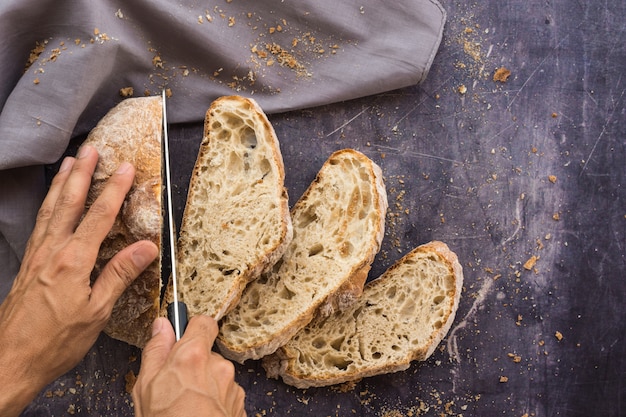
177 310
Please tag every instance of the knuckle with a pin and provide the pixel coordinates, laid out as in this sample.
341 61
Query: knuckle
44 213
101 208
124 270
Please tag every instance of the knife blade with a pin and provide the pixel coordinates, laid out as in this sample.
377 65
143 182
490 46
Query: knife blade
177 310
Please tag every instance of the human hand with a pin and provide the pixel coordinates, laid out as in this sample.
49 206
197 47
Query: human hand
53 315
186 378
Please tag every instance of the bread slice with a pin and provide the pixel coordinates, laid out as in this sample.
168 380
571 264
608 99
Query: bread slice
401 317
236 222
132 132
338 229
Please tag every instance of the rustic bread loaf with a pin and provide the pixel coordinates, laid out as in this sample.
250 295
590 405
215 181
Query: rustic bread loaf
236 222
402 316
338 228
132 132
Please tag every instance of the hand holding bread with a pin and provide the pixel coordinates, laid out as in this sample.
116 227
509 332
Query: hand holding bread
53 315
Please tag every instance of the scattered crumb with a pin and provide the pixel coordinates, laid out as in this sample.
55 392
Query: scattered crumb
530 263
514 357
127 92
556 216
504 379
552 178
558 335
462 89
501 74
130 379
555 115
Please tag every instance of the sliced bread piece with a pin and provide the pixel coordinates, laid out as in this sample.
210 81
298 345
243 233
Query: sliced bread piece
131 132
401 317
338 228
236 222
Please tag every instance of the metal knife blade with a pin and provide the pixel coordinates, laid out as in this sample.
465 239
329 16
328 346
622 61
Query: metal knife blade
177 310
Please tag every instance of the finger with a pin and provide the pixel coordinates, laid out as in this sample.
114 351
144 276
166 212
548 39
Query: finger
158 348
120 271
203 326
70 203
154 354
47 207
101 215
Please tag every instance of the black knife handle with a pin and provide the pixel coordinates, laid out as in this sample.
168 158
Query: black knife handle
182 316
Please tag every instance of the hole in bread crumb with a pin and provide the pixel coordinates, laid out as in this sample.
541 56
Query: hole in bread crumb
336 344
286 294
318 343
437 324
337 362
248 137
376 355
395 348
438 299
316 249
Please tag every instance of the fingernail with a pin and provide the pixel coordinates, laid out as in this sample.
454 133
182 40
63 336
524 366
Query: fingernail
66 164
157 326
84 151
124 167
140 259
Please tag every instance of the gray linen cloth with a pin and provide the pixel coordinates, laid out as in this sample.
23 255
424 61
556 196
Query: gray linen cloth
65 63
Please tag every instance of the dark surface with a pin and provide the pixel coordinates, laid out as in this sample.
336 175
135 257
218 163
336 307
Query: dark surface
472 170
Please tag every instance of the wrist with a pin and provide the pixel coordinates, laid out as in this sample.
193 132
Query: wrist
17 389
19 380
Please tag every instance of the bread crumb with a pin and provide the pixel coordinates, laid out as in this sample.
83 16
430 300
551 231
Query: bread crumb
504 379
130 379
36 81
552 178
555 115
558 335
462 89
530 263
501 74
556 216
514 357
127 92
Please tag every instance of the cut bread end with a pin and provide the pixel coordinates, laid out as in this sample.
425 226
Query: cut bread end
401 317
236 222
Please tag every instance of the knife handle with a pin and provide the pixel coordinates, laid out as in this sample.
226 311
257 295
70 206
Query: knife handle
182 316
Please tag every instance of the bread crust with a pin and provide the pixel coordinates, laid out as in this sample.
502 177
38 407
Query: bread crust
131 132
348 286
283 362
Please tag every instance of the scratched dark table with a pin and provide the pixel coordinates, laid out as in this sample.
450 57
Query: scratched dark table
523 178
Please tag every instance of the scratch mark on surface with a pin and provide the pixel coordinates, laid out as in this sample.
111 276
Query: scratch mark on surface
453 347
420 155
349 121
518 220
606 123
538 67
499 133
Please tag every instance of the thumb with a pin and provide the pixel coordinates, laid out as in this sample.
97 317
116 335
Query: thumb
153 357
121 270
157 349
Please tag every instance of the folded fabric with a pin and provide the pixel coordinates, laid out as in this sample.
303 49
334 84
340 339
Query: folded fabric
65 63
